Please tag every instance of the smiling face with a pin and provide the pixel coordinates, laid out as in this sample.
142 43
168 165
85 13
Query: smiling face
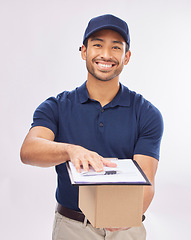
105 55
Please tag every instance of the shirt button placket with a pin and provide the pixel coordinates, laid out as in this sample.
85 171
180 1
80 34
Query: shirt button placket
101 124
101 120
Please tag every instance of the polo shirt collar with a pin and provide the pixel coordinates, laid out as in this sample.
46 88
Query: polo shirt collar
121 99
83 93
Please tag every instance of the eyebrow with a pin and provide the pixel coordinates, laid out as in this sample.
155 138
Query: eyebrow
118 42
101 40
96 39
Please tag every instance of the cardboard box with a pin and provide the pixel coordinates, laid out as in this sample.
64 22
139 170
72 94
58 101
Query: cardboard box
107 206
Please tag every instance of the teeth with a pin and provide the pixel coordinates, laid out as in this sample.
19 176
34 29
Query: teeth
105 65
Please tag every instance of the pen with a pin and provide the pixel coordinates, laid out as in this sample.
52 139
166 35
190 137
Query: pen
111 172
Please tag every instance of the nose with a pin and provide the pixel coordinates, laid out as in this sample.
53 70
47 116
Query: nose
106 53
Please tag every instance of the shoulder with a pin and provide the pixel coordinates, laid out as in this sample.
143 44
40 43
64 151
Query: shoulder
147 115
65 95
143 107
68 96
134 99
62 97
51 104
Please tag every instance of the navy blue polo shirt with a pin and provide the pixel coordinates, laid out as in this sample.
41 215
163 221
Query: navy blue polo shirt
127 125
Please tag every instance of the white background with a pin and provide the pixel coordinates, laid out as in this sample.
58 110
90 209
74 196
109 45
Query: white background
39 57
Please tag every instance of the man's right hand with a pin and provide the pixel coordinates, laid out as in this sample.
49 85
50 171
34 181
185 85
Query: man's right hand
80 156
40 149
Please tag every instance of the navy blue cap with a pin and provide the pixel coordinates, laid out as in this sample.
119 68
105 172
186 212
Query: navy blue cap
107 21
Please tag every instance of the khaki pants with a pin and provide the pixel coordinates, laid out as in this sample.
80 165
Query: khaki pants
68 229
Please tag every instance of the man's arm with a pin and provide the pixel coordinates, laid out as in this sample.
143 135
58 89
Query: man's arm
149 166
40 149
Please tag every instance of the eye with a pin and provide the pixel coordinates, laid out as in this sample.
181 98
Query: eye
116 48
97 45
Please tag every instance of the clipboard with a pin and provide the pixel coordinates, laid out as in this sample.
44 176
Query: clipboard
128 173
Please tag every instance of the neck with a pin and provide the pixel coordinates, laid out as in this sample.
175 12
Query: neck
103 91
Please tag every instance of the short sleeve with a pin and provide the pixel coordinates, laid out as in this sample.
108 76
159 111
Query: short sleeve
46 115
150 130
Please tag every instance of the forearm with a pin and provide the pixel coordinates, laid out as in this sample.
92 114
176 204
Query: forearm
147 197
40 149
44 153
149 167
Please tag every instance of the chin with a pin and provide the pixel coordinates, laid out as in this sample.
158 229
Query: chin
104 79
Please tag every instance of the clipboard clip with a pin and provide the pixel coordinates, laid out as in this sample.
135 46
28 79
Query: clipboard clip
109 172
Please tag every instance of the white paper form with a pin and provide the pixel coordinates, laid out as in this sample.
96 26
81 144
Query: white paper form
127 173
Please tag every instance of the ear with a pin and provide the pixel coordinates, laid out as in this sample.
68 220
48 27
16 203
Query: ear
83 52
127 57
